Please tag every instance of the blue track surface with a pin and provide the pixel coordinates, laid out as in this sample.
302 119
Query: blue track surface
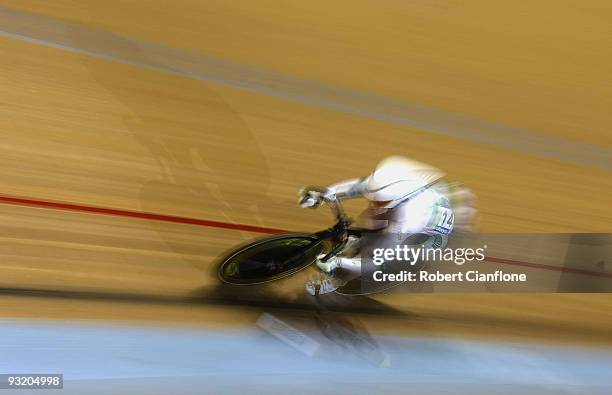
145 360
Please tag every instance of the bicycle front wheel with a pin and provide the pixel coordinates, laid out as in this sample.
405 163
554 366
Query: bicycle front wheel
270 259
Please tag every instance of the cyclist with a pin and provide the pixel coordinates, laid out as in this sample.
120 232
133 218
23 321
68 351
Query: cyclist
406 198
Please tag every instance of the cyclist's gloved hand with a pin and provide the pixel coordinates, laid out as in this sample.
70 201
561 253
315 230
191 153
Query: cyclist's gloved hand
310 198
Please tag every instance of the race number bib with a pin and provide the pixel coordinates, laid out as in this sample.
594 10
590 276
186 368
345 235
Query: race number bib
445 218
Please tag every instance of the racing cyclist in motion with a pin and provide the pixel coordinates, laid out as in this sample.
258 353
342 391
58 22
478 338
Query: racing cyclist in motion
406 198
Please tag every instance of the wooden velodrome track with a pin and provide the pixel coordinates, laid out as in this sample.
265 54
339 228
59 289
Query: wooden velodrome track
101 133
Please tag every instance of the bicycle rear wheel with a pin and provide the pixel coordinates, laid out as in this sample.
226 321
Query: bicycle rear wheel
270 259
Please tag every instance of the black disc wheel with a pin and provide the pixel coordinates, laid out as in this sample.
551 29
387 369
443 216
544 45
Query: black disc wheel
270 259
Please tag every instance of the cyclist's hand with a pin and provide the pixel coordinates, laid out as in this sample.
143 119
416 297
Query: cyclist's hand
310 198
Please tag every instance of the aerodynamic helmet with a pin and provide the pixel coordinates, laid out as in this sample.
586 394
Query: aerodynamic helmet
397 178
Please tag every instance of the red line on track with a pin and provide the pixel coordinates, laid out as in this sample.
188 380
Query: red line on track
49 204
547 267
21 201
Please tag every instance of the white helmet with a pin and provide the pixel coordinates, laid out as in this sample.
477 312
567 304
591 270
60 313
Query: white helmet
396 179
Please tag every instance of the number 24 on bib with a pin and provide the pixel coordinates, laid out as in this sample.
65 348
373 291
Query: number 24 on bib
445 218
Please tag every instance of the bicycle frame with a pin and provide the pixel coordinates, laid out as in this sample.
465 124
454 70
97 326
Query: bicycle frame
339 232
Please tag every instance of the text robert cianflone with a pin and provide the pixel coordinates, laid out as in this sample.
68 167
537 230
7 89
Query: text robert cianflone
437 276
412 255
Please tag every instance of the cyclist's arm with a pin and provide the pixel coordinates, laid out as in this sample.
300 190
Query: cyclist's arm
349 189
